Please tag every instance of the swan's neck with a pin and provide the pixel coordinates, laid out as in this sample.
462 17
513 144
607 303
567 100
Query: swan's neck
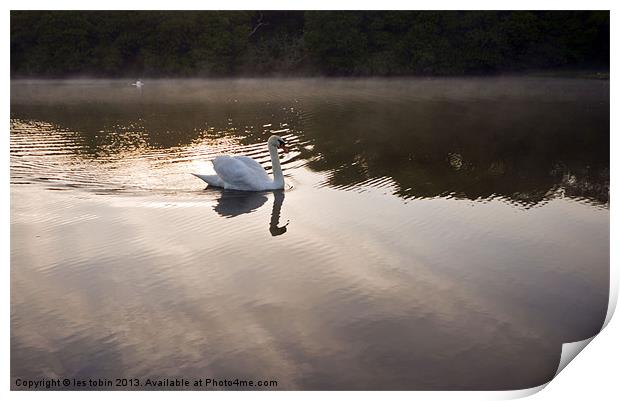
278 177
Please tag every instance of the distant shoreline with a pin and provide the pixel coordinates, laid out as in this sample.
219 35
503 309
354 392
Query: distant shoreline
598 74
296 44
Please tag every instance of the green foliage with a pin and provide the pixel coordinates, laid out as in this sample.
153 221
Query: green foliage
231 43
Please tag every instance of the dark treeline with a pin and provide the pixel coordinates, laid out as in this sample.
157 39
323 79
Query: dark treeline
255 43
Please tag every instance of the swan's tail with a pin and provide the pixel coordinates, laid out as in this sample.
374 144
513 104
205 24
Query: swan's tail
212 180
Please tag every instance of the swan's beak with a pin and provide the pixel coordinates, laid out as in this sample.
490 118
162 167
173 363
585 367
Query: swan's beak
284 148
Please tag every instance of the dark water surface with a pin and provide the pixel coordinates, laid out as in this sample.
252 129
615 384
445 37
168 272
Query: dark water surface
433 234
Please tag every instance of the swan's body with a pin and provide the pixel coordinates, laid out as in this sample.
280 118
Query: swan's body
138 84
246 174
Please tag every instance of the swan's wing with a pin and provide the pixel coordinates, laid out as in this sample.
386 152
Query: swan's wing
237 175
253 164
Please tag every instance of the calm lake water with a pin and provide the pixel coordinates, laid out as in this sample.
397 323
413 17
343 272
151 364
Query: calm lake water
433 233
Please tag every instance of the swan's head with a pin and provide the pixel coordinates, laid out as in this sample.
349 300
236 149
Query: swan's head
277 143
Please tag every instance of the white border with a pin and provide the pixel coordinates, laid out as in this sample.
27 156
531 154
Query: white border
593 373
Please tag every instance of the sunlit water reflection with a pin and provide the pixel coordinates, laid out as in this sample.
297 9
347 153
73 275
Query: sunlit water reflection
433 233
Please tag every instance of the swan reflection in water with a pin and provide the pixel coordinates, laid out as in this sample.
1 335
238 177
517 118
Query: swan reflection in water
234 203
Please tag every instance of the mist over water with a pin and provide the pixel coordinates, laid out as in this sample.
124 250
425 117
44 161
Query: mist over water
433 233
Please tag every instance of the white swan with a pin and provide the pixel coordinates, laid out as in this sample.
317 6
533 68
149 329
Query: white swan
138 84
246 174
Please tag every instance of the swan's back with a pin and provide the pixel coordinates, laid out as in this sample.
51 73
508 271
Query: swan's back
242 173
